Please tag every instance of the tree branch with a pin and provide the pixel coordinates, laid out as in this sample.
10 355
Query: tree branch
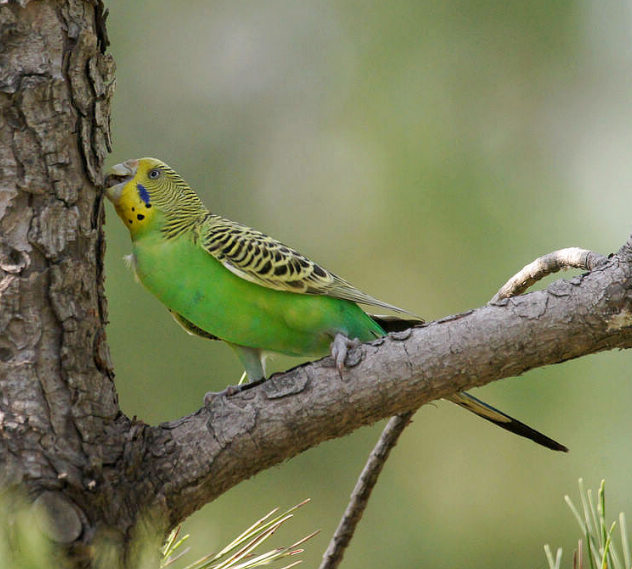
570 258
195 459
363 489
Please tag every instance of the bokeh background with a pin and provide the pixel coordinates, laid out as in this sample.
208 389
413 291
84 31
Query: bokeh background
424 150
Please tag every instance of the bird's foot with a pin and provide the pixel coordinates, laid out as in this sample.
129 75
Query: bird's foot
228 392
339 349
231 390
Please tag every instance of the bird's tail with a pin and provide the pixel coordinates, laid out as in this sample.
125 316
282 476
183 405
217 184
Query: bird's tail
471 403
504 421
395 323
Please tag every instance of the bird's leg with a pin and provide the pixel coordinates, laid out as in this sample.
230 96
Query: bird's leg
252 360
339 348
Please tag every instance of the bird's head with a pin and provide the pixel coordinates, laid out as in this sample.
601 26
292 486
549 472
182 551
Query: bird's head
145 190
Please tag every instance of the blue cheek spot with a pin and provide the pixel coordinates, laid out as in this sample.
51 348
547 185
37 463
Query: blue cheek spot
143 193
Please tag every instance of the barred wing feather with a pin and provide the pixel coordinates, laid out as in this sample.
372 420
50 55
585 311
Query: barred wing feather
260 259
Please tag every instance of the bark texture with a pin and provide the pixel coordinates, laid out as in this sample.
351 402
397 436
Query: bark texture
62 435
58 400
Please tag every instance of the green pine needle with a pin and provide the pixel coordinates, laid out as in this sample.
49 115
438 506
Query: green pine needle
239 553
597 534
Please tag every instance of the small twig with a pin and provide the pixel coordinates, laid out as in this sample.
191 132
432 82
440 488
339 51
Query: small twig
362 491
571 258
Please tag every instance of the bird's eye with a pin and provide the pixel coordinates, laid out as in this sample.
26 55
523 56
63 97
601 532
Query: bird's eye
154 174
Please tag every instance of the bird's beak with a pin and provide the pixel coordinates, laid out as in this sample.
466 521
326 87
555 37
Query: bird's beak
118 176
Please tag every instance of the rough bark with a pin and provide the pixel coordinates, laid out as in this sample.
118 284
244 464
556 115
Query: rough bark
63 437
58 400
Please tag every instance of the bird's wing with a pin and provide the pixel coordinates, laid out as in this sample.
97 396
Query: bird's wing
191 328
260 259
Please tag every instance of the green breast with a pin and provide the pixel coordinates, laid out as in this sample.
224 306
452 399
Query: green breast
191 282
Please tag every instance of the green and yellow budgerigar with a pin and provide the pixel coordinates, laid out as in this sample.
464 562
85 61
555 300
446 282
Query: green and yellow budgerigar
222 280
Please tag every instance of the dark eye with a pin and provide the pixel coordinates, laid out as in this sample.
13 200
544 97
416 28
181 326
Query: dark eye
154 174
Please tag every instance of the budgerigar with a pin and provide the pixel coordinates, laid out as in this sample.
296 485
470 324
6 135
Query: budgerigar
223 280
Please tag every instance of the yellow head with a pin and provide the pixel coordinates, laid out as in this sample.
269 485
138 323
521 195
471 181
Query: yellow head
147 194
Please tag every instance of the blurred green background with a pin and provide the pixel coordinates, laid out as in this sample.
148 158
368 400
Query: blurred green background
425 151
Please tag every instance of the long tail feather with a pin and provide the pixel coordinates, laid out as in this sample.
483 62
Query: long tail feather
504 421
471 403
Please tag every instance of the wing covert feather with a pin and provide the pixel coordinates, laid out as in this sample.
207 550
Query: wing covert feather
260 259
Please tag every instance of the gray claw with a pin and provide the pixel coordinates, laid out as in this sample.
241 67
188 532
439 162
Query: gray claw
339 349
231 390
228 392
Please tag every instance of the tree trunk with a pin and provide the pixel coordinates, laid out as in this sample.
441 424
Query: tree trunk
63 436
58 403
